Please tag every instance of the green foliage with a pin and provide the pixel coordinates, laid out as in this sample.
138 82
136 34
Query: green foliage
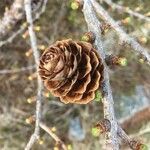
95 131
50 96
123 62
85 38
74 5
144 147
98 96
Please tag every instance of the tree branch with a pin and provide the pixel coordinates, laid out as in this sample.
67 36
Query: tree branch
122 34
54 136
11 17
125 138
127 10
94 26
35 135
11 38
10 71
23 27
137 118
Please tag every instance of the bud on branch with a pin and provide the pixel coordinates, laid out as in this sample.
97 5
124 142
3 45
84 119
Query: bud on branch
101 127
112 60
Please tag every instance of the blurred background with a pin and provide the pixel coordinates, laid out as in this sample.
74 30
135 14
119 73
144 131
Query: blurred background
72 123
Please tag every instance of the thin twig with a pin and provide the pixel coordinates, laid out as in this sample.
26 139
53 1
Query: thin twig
121 133
141 132
38 14
11 17
138 117
127 10
23 27
10 39
94 26
11 71
33 40
53 135
122 34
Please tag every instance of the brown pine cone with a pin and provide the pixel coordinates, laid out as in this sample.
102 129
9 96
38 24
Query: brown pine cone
72 71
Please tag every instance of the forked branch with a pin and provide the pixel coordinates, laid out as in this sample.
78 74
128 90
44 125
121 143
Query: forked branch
127 10
122 34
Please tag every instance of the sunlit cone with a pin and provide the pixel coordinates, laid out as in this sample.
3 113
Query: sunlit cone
72 71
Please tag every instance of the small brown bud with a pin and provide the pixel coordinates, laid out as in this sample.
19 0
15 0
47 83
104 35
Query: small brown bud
25 34
111 60
58 145
32 76
115 60
136 145
126 20
142 59
31 100
88 37
30 120
28 53
104 28
104 125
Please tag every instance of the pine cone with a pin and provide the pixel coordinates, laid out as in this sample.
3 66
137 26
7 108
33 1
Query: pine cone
72 71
